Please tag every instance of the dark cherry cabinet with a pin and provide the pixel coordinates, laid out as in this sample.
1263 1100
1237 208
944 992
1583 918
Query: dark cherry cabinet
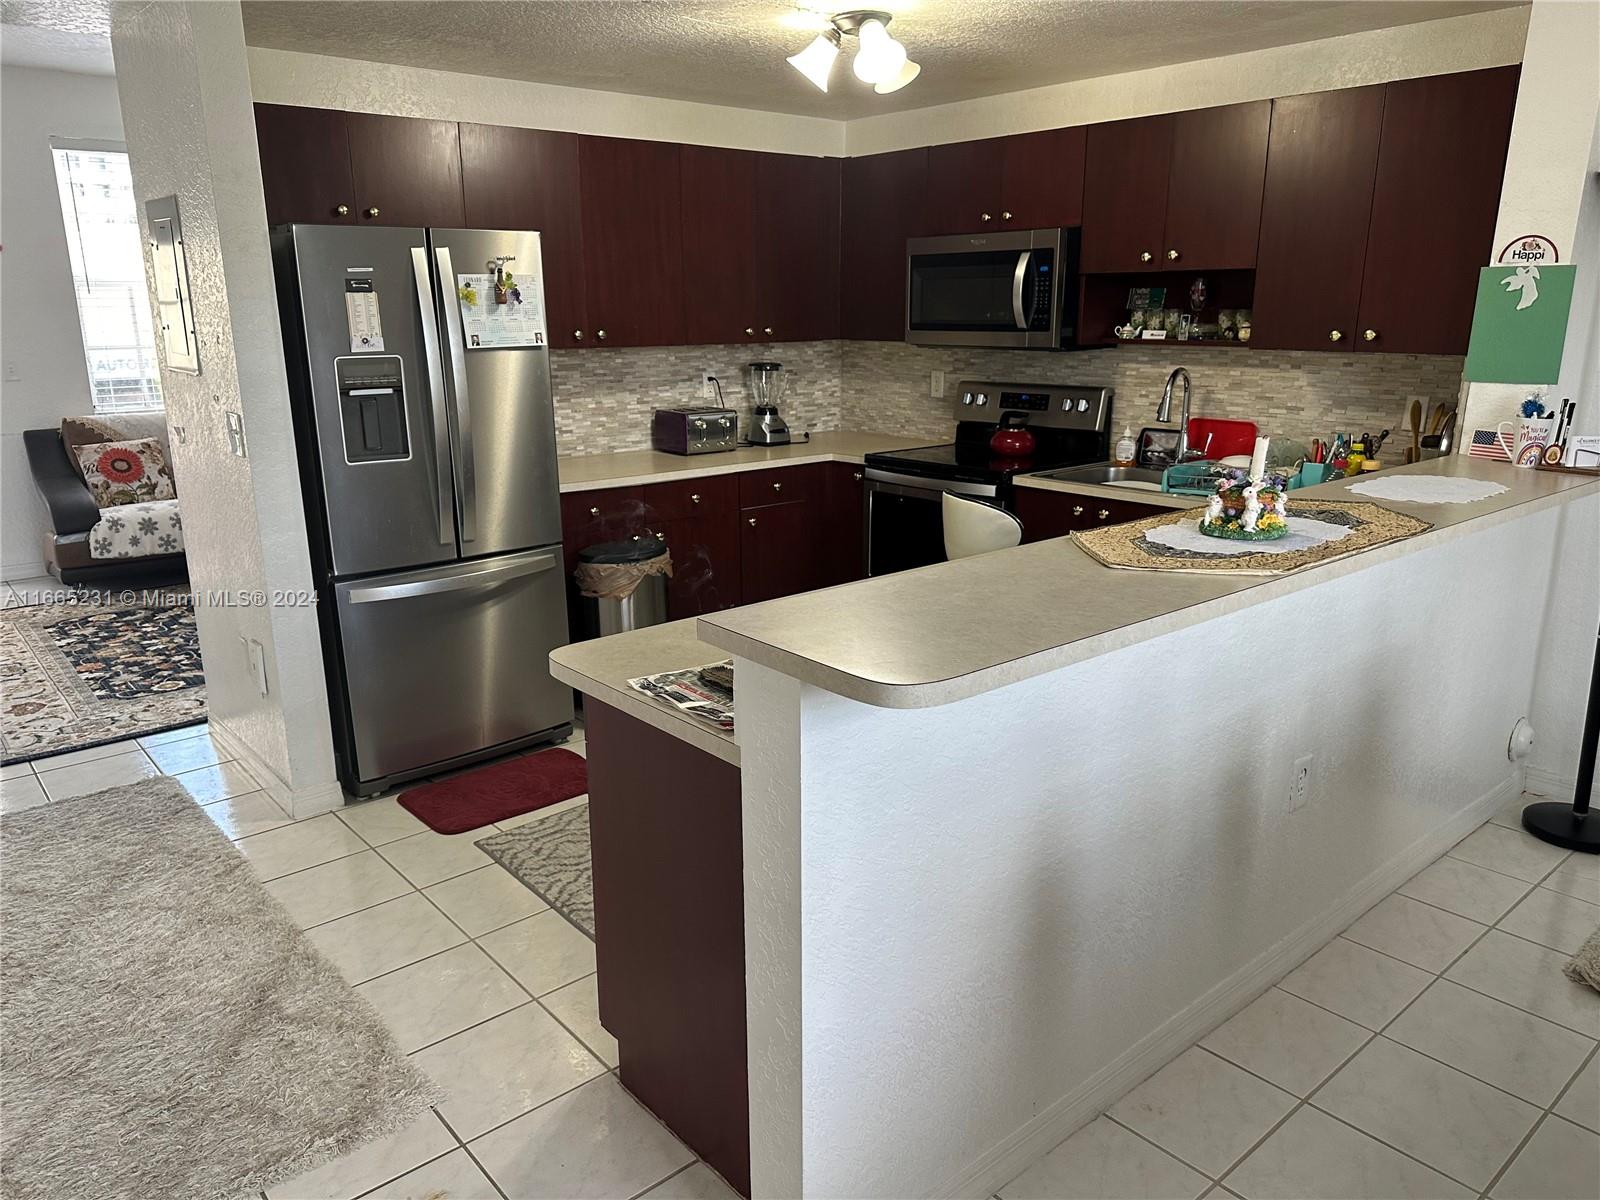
1042 178
719 239
1441 159
797 247
1050 514
515 178
305 165
1126 168
632 240
844 557
1321 162
1219 161
964 186
407 171
881 205
778 554
699 520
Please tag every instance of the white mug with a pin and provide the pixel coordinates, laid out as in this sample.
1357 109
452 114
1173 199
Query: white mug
1526 440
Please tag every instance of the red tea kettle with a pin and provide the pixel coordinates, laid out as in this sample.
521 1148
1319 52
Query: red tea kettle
1013 439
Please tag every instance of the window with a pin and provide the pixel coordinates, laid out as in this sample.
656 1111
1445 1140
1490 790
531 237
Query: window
102 225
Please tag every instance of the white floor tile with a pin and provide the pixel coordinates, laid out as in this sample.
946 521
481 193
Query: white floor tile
505 1067
1560 1162
544 951
485 899
209 784
1314 1157
698 1182
187 754
1414 932
432 999
1582 1101
1357 983
1203 1110
240 816
182 733
1466 889
1452 1122
1553 919
1521 1053
1287 1041
16 770
370 1165
128 767
595 1143
1509 851
381 821
1577 877
338 888
298 846
453 1177
1103 1161
428 857
20 792
577 1006
72 758
386 937
1528 976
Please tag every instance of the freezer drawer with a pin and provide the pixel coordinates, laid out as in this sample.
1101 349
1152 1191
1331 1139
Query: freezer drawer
451 660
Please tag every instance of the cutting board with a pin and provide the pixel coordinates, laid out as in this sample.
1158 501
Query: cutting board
1227 437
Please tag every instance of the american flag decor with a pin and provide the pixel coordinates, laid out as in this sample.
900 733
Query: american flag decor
1486 443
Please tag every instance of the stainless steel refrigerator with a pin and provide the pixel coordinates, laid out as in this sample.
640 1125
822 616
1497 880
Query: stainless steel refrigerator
420 384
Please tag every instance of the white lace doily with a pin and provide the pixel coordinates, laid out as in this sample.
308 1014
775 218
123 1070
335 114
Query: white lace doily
1304 532
1427 489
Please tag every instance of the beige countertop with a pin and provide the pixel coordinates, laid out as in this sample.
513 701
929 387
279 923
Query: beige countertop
629 468
602 667
928 637
1101 491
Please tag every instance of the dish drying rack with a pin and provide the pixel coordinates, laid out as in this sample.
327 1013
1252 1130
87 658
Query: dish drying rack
1199 478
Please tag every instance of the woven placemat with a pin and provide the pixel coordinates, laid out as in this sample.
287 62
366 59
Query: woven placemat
1126 547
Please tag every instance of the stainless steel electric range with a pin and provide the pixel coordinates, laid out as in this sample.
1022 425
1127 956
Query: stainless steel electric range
905 528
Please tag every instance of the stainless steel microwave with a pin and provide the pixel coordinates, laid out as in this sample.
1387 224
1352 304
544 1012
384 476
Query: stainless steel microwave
1016 289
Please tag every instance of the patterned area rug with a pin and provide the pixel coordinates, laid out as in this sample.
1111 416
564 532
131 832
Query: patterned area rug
550 857
83 674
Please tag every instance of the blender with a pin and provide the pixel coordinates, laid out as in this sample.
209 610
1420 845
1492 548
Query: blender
766 385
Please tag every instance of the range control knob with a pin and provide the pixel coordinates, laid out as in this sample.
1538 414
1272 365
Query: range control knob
983 399
966 397
1083 405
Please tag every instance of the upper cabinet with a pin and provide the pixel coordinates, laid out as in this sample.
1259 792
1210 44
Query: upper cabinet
719 239
881 204
797 247
1029 181
1441 160
632 240
305 165
963 191
1321 163
528 179
1176 191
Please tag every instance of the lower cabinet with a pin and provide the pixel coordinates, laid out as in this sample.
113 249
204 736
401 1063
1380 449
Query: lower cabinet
1050 514
778 550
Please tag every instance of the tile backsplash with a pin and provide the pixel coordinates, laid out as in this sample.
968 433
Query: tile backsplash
604 398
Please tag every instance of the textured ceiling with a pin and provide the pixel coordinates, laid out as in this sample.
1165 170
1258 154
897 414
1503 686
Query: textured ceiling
732 51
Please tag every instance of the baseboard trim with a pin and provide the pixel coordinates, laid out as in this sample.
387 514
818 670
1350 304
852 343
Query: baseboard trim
1053 1125
307 802
27 570
1555 785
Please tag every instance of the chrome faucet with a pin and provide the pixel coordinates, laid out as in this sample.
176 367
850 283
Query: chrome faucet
1164 411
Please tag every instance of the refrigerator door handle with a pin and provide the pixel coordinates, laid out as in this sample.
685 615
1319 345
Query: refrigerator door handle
458 377
453 583
444 489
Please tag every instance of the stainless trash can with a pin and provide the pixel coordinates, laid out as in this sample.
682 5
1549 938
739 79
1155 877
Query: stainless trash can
624 584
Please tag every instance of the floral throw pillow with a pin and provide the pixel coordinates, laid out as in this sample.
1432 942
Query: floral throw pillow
131 472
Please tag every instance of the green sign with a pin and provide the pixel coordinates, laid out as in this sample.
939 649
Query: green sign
1520 324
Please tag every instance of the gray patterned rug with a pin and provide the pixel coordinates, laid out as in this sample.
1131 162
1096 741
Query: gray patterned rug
83 674
167 1031
550 857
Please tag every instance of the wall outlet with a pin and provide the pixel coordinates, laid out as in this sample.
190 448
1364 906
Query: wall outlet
708 385
936 384
1300 782
258 662
236 434
11 370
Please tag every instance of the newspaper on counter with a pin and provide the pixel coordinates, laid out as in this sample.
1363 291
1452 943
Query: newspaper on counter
704 693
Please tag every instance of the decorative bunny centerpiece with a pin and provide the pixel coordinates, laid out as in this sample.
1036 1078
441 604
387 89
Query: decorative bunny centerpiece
1249 506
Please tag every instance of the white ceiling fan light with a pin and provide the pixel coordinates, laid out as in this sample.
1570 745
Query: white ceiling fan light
815 62
880 56
905 75
880 60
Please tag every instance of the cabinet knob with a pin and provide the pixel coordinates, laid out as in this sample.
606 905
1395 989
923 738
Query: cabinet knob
1103 513
987 218
1369 335
777 487
601 334
577 335
1077 510
1172 256
752 521
1145 256
373 211
694 498
749 331
857 477
1005 216
594 512
1335 335
767 329
342 210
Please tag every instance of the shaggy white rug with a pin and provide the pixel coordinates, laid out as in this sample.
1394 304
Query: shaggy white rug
167 1031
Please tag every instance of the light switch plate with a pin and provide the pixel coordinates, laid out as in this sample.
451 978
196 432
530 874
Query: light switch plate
236 434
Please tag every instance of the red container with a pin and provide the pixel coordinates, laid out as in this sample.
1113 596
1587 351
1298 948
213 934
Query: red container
1013 439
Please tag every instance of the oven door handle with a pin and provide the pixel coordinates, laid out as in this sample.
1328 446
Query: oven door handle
1024 319
920 485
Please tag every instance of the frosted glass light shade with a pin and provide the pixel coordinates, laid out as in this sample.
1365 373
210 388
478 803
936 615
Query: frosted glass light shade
815 62
905 75
880 57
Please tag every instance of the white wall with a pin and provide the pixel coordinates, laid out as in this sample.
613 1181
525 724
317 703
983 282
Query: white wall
1013 908
191 133
39 332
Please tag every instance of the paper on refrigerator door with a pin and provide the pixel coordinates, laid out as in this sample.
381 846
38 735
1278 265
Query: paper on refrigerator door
361 315
485 323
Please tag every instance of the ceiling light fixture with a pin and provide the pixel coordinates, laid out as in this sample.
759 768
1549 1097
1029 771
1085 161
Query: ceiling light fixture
880 60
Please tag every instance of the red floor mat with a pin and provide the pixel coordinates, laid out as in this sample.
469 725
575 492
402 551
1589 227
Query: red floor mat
498 791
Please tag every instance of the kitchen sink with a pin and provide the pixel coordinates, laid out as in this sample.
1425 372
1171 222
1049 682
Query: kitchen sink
1108 474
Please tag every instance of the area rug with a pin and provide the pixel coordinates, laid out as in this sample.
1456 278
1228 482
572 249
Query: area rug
83 674
166 1030
550 857
1584 966
499 791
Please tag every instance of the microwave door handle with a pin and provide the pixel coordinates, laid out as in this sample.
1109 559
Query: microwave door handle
1023 318
458 377
443 488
